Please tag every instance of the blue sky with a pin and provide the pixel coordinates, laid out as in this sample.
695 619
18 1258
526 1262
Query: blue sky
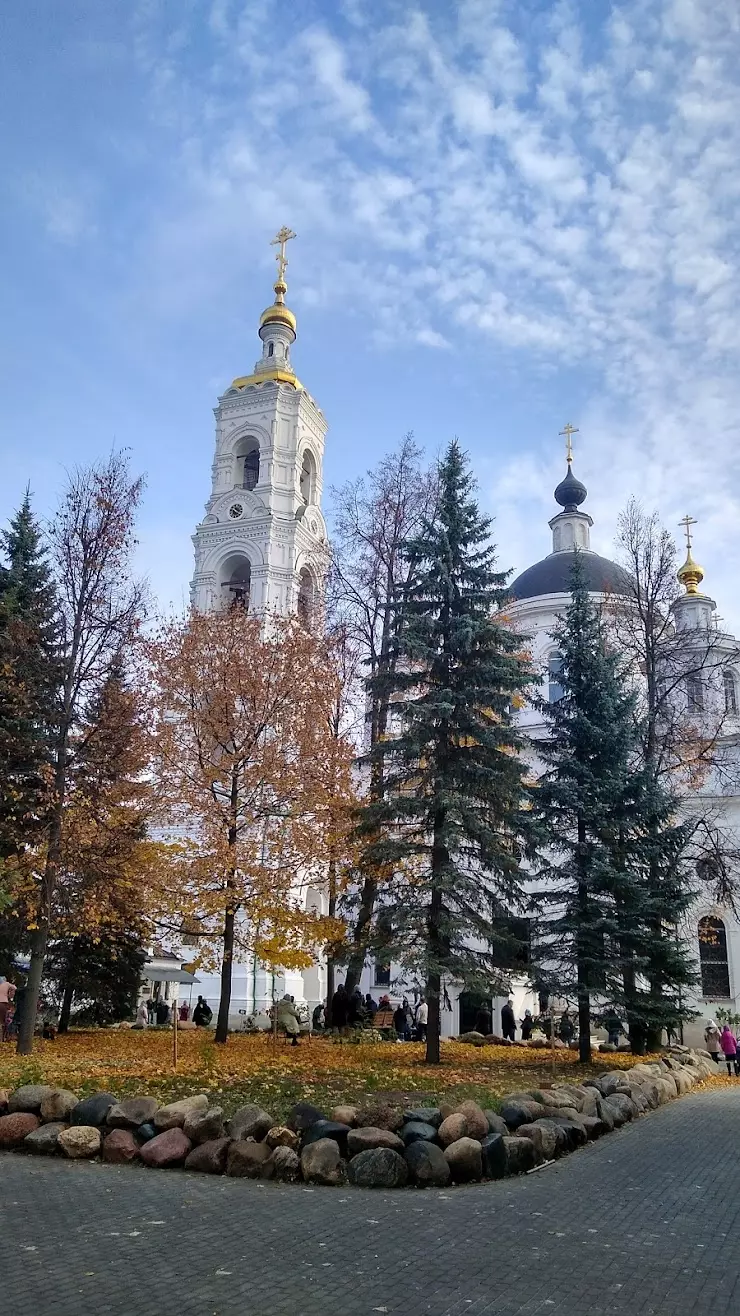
510 215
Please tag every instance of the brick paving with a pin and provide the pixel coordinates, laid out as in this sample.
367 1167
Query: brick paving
643 1223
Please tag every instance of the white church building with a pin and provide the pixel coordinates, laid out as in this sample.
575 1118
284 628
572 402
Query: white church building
263 542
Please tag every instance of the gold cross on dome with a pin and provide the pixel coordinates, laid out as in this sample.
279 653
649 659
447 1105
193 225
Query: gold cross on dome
687 522
567 431
281 237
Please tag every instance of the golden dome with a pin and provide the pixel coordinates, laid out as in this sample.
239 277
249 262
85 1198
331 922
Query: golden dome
690 575
280 313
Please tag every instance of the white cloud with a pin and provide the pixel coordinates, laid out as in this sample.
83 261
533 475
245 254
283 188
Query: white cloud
570 188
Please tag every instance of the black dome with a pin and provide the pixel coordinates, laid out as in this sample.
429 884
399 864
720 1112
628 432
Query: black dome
552 576
570 492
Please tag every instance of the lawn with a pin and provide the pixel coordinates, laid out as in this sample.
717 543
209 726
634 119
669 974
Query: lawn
250 1068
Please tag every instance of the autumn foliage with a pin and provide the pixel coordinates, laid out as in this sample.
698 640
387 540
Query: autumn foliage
253 783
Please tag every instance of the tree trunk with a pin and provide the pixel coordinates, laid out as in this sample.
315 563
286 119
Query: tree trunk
356 960
584 996
40 939
24 1045
67 999
434 982
222 1024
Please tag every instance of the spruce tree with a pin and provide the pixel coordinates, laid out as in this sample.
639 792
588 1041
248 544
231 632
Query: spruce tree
446 830
581 805
29 675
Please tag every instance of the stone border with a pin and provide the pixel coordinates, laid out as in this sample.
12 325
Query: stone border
376 1146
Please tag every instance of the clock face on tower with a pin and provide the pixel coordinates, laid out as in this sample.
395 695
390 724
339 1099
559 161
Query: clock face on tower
235 510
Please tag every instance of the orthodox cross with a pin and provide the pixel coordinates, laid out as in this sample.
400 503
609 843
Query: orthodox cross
284 235
687 522
567 431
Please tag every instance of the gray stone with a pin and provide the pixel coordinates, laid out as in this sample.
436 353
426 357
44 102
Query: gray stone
544 1136
515 1113
281 1136
81 1142
493 1150
43 1141
472 1038
286 1165
622 1108
379 1167
615 1081
93 1111
465 1159
57 1105
496 1123
28 1099
132 1112
250 1122
594 1126
303 1115
520 1155
208 1157
321 1162
427 1165
175 1114
416 1131
249 1160
146 1132
423 1115
362 1140
204 1126
564 1140
168 1148
328 1129
605 1114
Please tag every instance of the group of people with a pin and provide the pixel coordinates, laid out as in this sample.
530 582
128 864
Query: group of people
353 1010
158 1013
723 1044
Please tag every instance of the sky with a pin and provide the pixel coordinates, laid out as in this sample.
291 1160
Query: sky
510 214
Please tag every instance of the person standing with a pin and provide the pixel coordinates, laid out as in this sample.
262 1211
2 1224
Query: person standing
483 1022
340 1007
422 1020
567 1028
399 1023
527 1024
729 1048
7 992
142 1016
287 1017
508 1021
713 1040
202 1014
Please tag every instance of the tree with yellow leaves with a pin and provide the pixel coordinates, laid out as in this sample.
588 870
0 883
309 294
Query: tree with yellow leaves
250 778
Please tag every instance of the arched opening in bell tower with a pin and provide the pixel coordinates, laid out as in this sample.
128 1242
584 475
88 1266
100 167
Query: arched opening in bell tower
308 478
236 581
306 594
246 463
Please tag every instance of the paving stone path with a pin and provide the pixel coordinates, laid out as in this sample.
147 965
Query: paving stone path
643 1223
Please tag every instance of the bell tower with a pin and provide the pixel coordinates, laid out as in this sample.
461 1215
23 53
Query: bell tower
262 543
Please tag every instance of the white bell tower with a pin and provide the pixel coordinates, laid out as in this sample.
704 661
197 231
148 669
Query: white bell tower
262 543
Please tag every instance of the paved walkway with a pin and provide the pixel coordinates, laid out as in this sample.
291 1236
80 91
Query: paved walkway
643 1223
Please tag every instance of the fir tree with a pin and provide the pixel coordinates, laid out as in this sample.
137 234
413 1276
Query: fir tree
611 837
29 675
581 806
454 796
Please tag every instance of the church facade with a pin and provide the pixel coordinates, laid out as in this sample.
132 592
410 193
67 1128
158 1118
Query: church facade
263 544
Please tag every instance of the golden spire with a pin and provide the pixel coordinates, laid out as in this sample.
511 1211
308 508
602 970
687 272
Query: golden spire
690 575
567 431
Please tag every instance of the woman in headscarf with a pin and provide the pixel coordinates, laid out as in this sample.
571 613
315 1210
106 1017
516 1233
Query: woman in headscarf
713 1040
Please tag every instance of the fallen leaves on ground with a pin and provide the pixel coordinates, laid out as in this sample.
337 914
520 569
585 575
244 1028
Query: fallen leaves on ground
253 1068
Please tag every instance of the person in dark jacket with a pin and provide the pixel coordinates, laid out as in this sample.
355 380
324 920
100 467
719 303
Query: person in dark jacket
527 1025
202 1014
483 1022
355 1009
567 1028
339 1007
508 1021
370 1007
400 1023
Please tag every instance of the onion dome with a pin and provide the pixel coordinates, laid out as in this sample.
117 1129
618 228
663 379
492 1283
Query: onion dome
570 493
690 575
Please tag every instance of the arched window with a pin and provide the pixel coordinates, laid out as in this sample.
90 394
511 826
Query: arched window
271 349
555 689
308 478
236 580
728 680
306 595
715 972
694 694
251 468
